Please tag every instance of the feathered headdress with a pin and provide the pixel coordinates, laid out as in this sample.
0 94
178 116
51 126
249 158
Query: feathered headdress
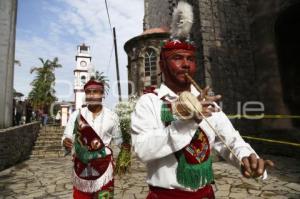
182 21
181 25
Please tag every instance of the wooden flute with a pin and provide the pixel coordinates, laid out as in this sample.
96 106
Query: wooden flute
205 119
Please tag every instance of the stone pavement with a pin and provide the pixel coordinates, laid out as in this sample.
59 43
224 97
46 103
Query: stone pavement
50 178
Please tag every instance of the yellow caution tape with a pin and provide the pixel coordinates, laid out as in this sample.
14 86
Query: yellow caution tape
263 116
273 141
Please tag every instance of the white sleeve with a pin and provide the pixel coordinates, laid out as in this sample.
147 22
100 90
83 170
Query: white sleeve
232 138
116 132
150 138
68 132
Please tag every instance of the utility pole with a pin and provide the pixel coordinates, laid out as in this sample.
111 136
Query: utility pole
117 64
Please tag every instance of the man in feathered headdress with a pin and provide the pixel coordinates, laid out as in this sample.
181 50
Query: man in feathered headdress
171 133
89 132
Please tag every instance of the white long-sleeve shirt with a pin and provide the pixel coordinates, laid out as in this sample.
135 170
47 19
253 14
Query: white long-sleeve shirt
106 125
156 144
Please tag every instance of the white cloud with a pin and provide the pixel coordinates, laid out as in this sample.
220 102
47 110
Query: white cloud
71 23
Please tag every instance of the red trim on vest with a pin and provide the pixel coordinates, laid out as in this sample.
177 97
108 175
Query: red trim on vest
149 89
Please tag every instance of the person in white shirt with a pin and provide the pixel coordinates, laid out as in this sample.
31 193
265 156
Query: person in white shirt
88 134
177 151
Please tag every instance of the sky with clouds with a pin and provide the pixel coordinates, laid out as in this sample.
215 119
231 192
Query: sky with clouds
54 28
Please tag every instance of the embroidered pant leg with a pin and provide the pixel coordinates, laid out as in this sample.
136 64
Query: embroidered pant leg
81 195
160 193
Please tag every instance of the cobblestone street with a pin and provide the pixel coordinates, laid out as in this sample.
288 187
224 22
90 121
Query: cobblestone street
50 178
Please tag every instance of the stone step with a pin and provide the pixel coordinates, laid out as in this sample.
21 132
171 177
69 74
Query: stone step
39 139
51 128
58 137
47 154
47 148
55 133
50 137
53 142
45 151
48 143
51 132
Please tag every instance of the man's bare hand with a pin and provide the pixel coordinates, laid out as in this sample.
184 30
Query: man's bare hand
68 144
254 167
208 107
208 95
207 100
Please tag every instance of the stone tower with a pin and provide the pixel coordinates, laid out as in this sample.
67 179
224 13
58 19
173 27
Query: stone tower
163 11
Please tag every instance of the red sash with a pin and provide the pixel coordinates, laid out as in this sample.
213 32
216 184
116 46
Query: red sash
95 167
87 134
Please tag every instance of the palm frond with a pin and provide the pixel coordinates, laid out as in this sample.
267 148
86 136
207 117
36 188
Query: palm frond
99 76
43 92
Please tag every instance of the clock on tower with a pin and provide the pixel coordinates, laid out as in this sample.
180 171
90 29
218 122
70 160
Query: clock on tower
83 64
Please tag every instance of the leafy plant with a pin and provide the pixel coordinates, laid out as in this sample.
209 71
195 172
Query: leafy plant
42 94
124 110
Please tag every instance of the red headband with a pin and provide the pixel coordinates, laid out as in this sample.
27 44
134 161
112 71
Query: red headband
92 84
173 46
177 44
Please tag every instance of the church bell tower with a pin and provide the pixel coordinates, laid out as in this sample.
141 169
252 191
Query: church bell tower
81 73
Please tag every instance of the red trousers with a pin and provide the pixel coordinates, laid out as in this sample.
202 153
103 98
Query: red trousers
161 193
106 192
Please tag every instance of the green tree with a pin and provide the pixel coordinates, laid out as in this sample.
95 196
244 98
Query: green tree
102 78
42 94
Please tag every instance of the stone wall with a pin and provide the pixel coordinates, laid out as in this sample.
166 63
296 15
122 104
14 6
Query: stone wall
163 12
264 15
227 56
16 143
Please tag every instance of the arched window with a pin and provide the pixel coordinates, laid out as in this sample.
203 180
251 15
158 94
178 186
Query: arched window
150 67
83 80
